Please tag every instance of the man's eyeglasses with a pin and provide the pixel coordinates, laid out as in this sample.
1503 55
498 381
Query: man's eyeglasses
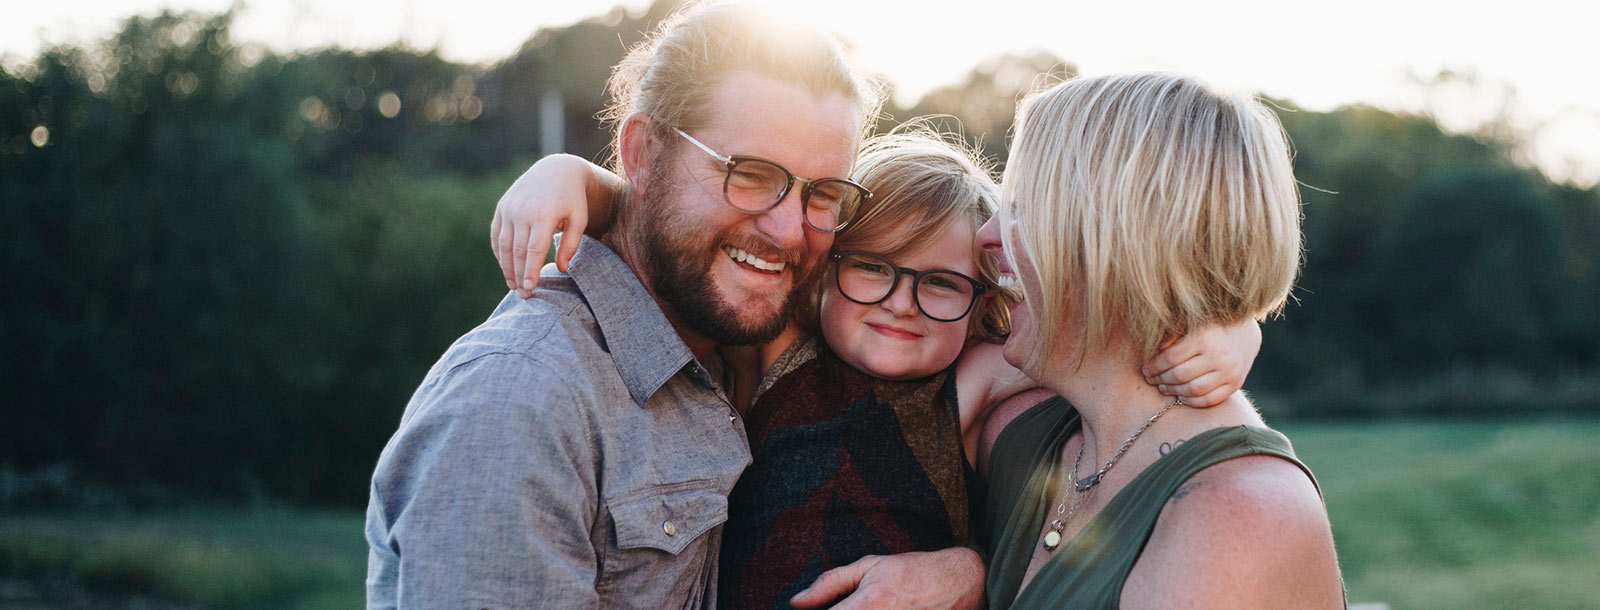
755 185
869 279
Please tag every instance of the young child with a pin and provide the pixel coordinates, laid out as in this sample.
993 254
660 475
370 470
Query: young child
864 415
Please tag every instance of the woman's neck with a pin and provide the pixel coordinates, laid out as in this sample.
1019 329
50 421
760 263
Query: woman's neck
1111 395
1112 398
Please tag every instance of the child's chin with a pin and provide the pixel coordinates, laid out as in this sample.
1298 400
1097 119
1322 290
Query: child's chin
898 374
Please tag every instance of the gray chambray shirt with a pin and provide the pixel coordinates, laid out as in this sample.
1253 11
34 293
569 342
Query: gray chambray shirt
567 453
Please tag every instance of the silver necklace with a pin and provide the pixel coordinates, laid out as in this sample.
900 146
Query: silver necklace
1064 512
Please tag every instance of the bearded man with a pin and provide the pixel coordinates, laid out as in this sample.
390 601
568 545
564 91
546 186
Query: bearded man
577 449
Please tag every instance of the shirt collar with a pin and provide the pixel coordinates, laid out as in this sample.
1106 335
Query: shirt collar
645 348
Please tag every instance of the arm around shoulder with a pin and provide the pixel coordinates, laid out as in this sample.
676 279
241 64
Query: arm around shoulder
559 193
985 381
486 495
1249 533
949 578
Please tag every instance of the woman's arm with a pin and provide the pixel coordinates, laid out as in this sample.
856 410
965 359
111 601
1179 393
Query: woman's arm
558 193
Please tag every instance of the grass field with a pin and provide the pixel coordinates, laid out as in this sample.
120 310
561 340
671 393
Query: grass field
1450 515
202 559
1463 515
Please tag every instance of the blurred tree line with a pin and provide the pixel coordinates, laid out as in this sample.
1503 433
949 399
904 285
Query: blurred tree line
226 269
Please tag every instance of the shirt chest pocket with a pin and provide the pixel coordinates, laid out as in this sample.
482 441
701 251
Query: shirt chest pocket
668 517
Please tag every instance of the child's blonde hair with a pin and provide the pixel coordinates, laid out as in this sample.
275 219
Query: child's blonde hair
1148 204
922 180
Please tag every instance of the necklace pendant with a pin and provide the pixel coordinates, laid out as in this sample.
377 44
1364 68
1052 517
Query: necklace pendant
1087 482
1052 539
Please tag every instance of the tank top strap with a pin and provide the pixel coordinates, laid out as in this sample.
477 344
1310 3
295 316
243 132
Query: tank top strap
1020 470
1097 561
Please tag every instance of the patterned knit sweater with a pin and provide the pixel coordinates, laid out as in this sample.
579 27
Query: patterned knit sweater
844 465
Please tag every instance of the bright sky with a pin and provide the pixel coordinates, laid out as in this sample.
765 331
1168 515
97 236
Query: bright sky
1320 55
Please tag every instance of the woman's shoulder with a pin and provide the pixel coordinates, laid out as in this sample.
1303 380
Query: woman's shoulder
1248 532
1239 493
1255 491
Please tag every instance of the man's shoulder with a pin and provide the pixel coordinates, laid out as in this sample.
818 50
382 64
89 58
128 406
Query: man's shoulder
542 350
553 327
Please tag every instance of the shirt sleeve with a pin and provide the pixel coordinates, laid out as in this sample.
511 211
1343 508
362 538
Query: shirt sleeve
486 497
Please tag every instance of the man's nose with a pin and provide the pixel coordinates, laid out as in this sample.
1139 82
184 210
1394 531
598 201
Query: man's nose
785 224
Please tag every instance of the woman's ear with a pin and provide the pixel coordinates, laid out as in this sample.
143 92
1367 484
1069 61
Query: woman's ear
638 150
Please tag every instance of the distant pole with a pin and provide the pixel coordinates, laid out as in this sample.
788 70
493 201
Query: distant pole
552 124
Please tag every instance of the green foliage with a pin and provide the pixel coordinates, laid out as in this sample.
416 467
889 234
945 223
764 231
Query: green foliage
406 269
150 236
1471 266
1429 255
214 264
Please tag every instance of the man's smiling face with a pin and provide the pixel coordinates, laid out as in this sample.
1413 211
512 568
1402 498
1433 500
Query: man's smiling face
728 275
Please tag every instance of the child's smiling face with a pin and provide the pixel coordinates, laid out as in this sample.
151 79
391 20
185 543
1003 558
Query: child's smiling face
893 339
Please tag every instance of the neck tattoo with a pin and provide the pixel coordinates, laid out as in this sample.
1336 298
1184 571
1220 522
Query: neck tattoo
1064 510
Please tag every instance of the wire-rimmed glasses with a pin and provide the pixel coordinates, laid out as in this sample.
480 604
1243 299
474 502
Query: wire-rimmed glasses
755 185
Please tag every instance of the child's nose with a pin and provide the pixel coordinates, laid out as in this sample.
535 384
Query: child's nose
903 301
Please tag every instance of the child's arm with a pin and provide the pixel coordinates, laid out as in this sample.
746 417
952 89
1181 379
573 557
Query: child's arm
1203 367
1207 365
559 193
983 380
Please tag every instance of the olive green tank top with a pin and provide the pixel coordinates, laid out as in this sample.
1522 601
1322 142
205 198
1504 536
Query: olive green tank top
1088 571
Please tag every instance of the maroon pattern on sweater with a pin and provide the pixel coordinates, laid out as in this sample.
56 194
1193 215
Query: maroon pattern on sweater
844 465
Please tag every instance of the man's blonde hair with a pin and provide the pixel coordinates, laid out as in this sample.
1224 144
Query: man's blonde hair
1150 203
922 182
671 75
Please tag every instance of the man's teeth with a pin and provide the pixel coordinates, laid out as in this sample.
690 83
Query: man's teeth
753 260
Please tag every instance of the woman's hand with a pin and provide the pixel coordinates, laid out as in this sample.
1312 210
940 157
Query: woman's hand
1206 366
560 193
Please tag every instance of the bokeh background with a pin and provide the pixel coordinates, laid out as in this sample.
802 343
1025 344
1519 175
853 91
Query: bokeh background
227 259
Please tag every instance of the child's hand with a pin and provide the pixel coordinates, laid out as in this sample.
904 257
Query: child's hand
1206 366
551 196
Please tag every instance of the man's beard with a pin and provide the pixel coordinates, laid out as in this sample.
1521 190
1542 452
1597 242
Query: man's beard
678 260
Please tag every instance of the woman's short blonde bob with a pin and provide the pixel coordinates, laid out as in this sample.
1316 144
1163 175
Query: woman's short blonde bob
1147 204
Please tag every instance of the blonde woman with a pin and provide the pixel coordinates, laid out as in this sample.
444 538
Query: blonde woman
1137 207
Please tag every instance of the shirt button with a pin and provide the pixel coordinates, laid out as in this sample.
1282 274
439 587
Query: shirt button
733 419
669 528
